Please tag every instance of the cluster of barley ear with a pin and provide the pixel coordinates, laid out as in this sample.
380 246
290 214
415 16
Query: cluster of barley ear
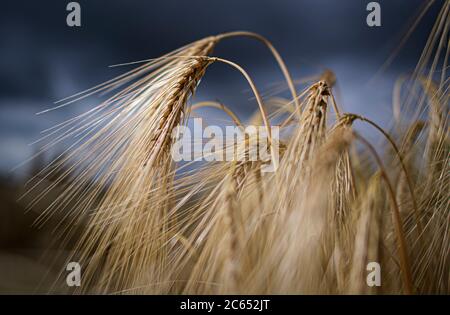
332 206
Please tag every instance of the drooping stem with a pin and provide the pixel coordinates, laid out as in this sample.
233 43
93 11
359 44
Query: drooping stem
404 259
258 100
220 106
274 52
402 163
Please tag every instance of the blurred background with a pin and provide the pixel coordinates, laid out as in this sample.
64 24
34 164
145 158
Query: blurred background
44 60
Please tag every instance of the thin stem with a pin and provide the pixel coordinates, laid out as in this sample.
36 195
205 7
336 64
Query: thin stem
335 106
220 106
404 259
403 165
274 52
258 100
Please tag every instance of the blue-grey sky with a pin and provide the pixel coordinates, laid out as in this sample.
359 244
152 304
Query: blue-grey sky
43 60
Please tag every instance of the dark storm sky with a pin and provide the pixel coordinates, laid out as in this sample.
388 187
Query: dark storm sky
43 60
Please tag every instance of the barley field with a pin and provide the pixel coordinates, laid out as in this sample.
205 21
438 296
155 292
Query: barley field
336 206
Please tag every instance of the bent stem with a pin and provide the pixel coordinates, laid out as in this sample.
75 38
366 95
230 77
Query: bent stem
402 163
220 106
258 100
404 259
274 52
